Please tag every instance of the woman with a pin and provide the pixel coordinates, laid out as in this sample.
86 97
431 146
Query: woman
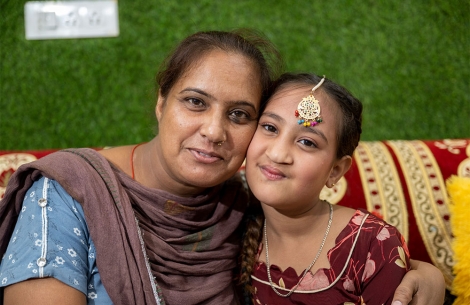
81 211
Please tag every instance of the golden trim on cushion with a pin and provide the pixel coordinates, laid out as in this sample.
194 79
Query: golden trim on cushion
336 193
429 200
381 184
451 145
11 162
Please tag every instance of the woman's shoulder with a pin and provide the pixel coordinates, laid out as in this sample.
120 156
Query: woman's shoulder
119 156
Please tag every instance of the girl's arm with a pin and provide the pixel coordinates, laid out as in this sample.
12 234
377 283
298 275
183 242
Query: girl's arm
422 285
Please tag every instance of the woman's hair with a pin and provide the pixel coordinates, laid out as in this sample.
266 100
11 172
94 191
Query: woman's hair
246 42
347 138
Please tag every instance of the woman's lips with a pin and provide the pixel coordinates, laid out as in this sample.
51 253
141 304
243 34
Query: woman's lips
205 156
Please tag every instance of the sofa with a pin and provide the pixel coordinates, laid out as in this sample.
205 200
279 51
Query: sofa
407 183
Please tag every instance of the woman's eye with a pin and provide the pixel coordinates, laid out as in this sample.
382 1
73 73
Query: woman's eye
239 116
307 143
195 102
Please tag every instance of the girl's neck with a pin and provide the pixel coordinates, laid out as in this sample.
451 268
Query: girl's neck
288 226
294 241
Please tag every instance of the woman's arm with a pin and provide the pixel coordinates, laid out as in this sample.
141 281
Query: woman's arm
422 285
43 291
57 233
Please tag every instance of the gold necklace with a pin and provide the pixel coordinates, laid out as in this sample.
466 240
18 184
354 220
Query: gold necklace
309 267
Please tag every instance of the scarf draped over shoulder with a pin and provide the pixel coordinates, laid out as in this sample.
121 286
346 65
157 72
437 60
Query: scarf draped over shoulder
190 242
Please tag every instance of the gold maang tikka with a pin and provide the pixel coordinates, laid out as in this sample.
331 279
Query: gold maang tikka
308 110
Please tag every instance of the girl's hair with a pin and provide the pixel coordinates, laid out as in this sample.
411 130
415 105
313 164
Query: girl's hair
348 138
253 223
246 42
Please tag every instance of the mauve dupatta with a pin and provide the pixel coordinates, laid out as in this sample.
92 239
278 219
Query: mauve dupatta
190 242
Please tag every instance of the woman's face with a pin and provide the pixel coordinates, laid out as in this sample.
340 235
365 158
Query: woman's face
215 102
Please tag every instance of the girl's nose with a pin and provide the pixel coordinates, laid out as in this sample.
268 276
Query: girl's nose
279 151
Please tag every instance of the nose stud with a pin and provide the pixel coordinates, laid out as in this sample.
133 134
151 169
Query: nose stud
220 143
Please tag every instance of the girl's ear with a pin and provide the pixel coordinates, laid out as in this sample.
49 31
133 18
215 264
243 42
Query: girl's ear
338 170
159 107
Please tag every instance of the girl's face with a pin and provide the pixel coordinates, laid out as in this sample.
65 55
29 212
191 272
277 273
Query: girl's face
215 102
288 164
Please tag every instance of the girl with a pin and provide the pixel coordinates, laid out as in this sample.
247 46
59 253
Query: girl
310 252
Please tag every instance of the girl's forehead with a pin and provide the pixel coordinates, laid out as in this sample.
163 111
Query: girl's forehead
290 95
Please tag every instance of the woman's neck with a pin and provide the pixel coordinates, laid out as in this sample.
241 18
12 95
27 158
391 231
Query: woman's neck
150 172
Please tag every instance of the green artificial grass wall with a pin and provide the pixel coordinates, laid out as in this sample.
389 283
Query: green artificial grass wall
408 61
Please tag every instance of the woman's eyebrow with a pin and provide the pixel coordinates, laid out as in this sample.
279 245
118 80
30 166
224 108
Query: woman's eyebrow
244 103
236 102
191 89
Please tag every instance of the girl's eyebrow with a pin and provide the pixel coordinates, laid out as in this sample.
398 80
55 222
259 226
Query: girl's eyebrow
309 129
273 116
317 132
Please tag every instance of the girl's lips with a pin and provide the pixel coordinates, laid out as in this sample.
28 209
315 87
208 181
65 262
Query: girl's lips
205 156
272 173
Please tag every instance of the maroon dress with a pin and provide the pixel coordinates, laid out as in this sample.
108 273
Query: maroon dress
367 264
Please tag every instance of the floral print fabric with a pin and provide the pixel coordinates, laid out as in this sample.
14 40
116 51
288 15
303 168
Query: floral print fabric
367 264
51 239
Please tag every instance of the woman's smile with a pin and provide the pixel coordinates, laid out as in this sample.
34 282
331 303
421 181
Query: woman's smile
205 156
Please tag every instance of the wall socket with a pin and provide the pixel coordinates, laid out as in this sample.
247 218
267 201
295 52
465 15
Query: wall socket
71 19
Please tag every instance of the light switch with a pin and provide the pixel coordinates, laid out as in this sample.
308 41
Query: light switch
71 19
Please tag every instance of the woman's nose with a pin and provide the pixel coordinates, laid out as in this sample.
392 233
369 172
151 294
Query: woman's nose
213 128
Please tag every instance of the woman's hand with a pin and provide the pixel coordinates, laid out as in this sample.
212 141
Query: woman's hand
423 285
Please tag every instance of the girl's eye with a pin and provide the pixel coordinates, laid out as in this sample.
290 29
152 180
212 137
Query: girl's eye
308 143
239 116
269 127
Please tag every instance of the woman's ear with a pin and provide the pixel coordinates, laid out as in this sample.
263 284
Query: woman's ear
160 106
338 170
